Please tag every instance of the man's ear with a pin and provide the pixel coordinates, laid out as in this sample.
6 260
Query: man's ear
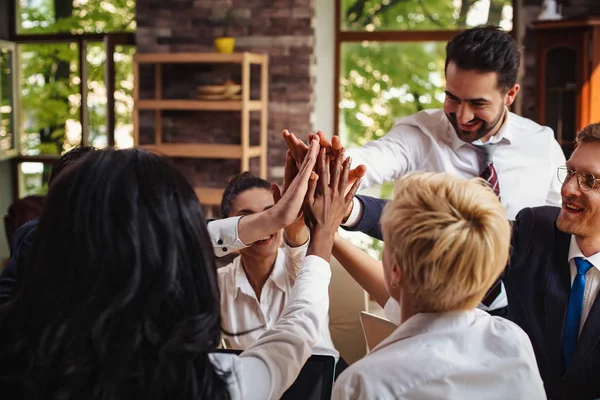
510 96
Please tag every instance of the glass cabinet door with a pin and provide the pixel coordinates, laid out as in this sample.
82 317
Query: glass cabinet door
8 134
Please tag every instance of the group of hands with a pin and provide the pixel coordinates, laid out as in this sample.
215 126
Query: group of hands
319 185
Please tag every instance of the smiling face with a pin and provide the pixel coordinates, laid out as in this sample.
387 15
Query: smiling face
474 104
580 212
253 201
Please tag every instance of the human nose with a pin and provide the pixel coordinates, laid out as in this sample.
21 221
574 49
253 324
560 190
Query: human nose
570 186
464 114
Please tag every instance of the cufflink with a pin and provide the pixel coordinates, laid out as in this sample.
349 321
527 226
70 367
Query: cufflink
220 242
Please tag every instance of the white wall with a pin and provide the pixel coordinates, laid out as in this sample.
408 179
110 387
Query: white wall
324 51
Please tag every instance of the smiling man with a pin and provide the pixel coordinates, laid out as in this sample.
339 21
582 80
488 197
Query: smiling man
474 134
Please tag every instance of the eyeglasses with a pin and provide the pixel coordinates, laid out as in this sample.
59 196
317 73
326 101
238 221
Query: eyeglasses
586 181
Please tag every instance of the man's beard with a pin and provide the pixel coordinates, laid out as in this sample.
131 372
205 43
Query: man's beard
471 136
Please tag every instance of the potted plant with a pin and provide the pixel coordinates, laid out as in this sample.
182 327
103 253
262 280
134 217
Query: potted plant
226 43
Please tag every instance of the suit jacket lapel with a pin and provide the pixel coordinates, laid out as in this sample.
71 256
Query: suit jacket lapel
556 297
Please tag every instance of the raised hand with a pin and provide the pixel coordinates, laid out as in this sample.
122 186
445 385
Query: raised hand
296 233
298 150
256 226
326 200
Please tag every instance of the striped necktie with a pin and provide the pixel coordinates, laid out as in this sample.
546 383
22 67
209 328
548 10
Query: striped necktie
488 172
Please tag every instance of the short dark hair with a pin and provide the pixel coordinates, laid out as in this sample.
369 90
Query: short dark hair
237 185
486 49
67 159
590 133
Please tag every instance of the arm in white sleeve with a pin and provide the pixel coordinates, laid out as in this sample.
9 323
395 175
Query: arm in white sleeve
269 367
558 159
387 158
224 236
294 256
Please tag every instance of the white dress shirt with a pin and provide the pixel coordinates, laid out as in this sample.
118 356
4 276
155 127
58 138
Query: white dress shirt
241 311
269 366
526 158
457 355
592 279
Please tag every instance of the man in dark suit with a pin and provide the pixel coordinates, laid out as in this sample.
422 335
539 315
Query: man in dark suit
553 278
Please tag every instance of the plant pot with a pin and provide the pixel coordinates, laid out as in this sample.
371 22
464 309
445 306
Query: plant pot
224 44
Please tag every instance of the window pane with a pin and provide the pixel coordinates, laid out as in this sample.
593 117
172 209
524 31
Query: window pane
7 134
50 98
372 15
96 96
380 82
33 178
124 96
75 16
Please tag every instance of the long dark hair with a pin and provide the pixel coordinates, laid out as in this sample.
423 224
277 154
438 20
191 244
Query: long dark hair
120 299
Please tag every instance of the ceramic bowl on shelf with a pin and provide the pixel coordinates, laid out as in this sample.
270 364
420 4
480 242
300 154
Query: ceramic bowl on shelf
228 91
212 89
232 89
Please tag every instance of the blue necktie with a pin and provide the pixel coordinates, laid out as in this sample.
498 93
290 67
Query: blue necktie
574 311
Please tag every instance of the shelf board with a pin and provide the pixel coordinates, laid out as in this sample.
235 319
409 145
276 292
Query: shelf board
196 150
209 196
199 58
217 105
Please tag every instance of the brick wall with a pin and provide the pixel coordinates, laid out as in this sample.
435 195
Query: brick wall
531 10
281 28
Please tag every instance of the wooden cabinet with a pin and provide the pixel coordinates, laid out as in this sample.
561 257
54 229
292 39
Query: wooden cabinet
568 76
243 151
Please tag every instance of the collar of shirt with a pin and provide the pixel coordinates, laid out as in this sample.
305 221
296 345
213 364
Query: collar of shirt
504 133
574 252
430 322
278 276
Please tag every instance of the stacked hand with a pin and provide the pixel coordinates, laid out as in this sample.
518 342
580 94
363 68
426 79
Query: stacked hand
299 149
326 200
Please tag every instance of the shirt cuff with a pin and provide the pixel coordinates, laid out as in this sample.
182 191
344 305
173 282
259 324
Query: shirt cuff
355 215
224 236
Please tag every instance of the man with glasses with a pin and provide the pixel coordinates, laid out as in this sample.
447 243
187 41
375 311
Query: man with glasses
553 277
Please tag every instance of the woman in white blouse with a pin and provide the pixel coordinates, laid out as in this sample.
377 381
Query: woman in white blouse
257 284
446 241
120 299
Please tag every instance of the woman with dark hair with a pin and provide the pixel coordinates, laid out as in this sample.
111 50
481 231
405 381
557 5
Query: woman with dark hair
255 285
120 298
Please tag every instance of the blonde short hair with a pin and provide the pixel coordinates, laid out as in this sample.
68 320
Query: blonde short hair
450 238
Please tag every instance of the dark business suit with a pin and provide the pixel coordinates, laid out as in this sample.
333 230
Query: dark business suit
538 284
21 244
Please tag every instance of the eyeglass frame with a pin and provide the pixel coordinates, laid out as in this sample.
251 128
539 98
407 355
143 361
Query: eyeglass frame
580 177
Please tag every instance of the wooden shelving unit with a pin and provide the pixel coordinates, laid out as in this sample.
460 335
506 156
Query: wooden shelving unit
243 151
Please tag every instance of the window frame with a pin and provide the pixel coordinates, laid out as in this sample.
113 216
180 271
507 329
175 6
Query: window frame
15 114
110 40
342 36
